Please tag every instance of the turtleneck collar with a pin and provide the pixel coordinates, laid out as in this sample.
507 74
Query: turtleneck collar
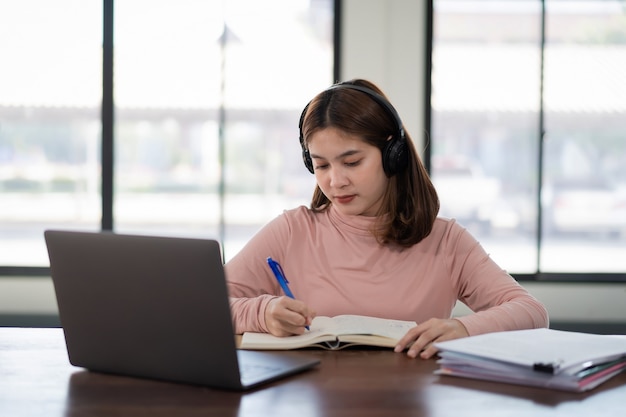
354 223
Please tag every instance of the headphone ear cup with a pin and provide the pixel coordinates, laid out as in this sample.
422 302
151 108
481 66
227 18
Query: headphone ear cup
394 156
306 158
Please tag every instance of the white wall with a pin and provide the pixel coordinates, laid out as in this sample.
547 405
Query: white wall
383 41
25 295
565 302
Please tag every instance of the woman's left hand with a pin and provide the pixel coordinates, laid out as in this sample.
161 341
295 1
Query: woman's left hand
420 339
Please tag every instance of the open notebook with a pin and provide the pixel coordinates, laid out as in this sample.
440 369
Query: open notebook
154 307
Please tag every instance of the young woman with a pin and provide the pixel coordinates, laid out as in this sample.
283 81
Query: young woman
371 242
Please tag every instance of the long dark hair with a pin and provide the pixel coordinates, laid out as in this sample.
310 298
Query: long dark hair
410 204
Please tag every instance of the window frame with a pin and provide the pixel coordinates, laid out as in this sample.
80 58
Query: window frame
108 123
538 276
107 222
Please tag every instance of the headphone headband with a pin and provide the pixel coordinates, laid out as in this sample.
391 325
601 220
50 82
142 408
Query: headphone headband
394 154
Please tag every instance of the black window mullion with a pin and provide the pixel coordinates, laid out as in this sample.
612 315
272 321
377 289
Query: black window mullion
337 39
107 116
428 66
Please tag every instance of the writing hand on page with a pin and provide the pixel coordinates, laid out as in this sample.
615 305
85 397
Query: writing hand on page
285 316
419 340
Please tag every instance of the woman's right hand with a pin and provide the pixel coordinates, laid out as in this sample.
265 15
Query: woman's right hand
285 316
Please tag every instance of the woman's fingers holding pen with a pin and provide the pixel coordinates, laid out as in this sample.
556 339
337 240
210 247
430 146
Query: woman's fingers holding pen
285 316
419 340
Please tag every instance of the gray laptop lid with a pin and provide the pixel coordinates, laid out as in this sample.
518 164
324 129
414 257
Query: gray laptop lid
153 307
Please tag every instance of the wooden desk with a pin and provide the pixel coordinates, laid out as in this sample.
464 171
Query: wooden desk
36 379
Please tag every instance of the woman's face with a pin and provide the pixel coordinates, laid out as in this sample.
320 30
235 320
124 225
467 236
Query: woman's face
349 171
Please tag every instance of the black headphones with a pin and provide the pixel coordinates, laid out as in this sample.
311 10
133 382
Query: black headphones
395 157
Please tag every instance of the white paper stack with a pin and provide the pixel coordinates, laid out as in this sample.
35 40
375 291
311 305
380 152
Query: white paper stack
547 358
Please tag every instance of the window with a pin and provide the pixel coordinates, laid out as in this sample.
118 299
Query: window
528 131
50 92
207 100
584 187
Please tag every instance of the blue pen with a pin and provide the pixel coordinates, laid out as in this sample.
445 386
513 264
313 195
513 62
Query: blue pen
280 277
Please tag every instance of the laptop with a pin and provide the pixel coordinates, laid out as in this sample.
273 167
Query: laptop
154 307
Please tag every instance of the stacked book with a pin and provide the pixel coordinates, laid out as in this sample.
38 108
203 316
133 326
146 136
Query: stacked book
547 358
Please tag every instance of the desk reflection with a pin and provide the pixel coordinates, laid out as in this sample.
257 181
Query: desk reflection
94 394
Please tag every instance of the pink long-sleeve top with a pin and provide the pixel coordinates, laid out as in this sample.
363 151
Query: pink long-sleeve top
336 266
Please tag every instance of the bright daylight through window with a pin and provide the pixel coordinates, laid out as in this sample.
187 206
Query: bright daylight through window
207 96
492 170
